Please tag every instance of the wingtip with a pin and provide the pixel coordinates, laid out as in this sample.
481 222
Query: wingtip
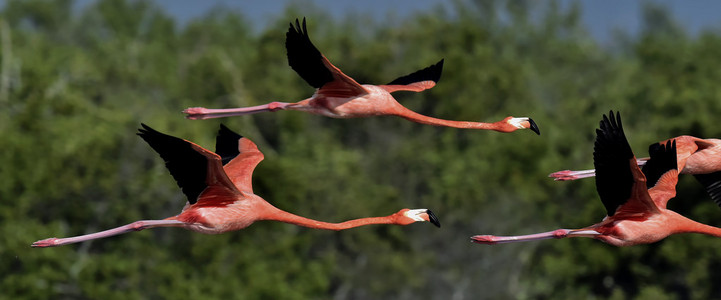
144 130
224 130
439 66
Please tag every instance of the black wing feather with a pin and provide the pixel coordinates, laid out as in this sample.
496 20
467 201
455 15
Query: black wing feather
226 144
663 159
611 155
188 167
304 57
432 73
712 183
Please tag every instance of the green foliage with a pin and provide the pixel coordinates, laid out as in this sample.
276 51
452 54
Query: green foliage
74 87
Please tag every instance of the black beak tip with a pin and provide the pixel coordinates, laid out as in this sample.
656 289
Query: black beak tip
534 127
433 219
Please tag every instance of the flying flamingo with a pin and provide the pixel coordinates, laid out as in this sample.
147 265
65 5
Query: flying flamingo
695 156
636 214
339 96
220 194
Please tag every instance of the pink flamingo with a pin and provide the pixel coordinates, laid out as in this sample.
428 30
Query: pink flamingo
637 214
220 194
339 96
695 156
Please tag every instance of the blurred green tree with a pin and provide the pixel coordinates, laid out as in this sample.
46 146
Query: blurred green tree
75 84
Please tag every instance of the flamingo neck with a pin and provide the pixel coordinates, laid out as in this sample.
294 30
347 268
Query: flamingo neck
275 214
689 226
423 119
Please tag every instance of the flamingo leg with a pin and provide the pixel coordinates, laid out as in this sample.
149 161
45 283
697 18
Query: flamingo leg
199 113
135 226
566 175
555 234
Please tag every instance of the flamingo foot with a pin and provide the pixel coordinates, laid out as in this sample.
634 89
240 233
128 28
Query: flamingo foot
485 239
196 113
51 242
567 175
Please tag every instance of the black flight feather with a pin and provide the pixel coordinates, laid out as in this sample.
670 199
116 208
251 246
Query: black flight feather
611 155
712 183
188 167
432 73
305 58
226 144
663 159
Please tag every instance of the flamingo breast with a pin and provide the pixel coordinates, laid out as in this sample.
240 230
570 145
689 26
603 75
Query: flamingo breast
215 220
628 232
377 102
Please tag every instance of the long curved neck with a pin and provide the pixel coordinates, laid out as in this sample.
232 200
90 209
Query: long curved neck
423 119
686 225
274 214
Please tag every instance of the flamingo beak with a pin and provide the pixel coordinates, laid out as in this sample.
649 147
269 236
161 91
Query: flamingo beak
433 219
533 126
421 215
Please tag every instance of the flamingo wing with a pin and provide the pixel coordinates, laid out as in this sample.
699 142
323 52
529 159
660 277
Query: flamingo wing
193 167
416 81
712 183
226 144
315 68
660 161
240 157
661 173
619 181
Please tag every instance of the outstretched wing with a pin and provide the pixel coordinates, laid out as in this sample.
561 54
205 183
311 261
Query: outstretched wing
240 157
661 173
193 167
663 158
686 146
712 183
314 68
226 144
416 81
619 181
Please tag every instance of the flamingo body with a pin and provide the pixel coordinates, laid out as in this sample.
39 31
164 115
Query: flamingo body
636 208
339 96
698 156
220 194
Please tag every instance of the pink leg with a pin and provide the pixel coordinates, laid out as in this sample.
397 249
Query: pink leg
566 175
199 113
135 226
556 234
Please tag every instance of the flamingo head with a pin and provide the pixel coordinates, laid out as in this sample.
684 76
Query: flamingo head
513 124
407 216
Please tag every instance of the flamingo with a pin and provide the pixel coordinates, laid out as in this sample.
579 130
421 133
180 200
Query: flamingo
339 96
636 214
698 157
220 194
695 156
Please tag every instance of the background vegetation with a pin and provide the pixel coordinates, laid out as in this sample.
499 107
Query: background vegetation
75 85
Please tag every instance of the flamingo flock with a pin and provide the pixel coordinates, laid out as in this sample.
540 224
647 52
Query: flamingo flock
220 195
635 198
